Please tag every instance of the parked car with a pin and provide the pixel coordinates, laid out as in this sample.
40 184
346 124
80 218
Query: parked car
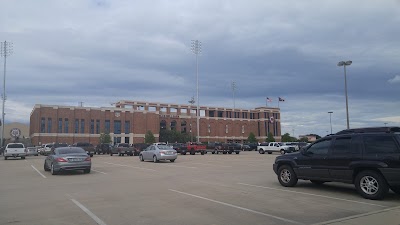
57 145
46 149
138 147
14 150
103 148
369 158
253 146
31 151
89 148
180 148
228 148
246 147
158 152
213 146
275 147
66 159
122 149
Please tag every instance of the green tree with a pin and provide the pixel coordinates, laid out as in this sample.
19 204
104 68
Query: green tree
105 138
149 137
270 138
286 138
172 136
252 138
303 139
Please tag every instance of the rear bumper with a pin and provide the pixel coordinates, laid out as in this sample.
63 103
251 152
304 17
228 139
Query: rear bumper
14 154
73 166
167 157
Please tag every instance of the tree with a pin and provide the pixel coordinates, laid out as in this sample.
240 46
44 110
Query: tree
270 137
173 136
105 138
149 137
303 139
287 138
252 138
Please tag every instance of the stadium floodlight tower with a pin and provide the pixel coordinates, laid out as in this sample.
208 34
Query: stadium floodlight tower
196 49
6 49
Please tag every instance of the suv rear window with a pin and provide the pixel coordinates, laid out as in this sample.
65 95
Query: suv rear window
380 144
15 146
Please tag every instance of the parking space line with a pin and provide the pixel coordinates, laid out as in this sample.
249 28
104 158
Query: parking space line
98 171
41 174
208 164
190 167
87 211
129 166
304 193
237 207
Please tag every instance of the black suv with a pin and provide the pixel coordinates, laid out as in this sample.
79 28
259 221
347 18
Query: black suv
369 158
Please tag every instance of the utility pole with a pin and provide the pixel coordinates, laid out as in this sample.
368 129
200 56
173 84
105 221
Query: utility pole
196 49
233 85
5 50
192 101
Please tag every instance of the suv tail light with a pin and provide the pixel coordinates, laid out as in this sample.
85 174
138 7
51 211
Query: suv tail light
61 160
88 159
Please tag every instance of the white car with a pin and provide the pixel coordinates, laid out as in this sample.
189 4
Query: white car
14 150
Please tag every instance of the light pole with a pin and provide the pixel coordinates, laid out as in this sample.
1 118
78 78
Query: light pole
330 119
196 49
192 101
5 50
385 124
344 64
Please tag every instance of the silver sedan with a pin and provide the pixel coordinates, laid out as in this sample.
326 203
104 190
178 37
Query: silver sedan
157 152
67 158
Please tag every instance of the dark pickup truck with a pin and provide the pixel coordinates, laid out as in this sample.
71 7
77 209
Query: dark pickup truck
122 149
89 148
228 148
180 148
103 148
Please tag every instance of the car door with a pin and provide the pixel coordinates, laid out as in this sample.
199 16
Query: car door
312 162
49 158
345 151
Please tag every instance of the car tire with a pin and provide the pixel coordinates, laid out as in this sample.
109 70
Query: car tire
371 185
237 153
270 153
229 152
212 152
155 160
192 152
141 158
317 182
86 171
183 153
5 157
286 176
202 152
395 189
22 157
111 154
45 167
53 172
261 151
172 160
282 152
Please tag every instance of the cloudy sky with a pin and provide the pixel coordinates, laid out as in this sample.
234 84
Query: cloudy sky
103 51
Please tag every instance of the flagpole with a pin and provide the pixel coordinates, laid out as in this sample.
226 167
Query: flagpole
278 102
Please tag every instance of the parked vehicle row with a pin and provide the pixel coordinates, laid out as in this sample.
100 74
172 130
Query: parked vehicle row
270 147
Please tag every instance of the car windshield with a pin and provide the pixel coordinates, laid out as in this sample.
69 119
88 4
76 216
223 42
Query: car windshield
165 147
70 151
15 146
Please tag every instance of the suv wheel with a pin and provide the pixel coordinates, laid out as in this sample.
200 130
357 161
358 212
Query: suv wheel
371 185
286 176
261 151
282 152
395 189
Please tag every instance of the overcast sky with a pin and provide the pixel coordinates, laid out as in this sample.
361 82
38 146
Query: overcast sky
103 51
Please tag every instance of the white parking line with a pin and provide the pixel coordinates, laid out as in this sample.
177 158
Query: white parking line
208 164
129 166
98 171
87 211
304 193
190 167
38 172
238 207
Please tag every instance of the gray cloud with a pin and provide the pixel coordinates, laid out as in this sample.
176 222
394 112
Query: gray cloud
395 79
103 51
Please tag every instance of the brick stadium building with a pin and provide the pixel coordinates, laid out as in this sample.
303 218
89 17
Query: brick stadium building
129 121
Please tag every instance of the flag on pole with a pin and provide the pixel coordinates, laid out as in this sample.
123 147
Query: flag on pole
281 99
269 100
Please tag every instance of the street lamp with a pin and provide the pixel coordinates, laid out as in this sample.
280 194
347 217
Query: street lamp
385 124
6 49
330 119
344 64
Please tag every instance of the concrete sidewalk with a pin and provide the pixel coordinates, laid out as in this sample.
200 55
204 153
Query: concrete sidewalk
389 216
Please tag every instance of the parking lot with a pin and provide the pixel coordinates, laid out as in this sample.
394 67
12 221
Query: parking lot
195 189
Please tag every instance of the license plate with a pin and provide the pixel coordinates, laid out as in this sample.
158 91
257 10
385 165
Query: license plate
75 160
